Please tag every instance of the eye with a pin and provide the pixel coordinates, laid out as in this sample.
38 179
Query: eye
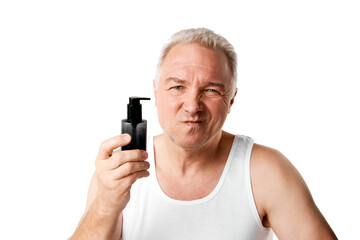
212 93
177 90
177 87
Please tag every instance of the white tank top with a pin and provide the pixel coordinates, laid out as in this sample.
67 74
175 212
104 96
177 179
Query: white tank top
227 213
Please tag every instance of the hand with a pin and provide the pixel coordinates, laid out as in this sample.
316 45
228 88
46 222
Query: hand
116 171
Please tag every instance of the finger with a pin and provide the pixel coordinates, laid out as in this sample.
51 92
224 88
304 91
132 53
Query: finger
129 168
131 179
107 147
121 157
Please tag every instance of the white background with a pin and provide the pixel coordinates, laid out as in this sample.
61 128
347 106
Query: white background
68 67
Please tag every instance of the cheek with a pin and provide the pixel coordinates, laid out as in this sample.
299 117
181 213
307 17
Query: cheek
218 108
218 111
166 102
166 107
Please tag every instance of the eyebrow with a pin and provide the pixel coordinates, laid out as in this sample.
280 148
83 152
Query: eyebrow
174 79
219 85
180 81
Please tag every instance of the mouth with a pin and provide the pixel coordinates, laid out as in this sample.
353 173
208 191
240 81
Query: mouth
192 122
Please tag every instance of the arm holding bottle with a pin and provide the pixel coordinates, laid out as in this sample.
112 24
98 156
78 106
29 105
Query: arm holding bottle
109 190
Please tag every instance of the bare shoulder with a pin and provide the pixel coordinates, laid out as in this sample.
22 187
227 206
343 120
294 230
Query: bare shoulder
269 170
270 167
283 199
266 160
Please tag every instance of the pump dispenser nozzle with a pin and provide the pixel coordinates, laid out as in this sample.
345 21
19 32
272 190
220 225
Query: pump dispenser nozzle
135 125
134 113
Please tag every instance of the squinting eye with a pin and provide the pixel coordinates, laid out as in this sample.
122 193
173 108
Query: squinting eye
177 87
212 93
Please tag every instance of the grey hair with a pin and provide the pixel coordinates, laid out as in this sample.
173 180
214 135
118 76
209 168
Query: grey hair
207 38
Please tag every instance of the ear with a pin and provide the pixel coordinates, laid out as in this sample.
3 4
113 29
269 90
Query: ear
232 100
155 92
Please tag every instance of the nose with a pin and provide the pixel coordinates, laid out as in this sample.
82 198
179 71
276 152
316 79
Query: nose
192 102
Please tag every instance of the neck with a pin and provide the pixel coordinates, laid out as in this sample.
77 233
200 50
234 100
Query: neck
184 162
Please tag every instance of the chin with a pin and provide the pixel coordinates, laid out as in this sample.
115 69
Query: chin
190 141
190 145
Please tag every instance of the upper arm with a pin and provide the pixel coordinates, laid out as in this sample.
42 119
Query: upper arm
282 196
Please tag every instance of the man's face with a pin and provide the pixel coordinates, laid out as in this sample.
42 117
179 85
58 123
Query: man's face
193 96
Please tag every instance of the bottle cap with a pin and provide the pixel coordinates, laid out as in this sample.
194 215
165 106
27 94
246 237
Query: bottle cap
134 113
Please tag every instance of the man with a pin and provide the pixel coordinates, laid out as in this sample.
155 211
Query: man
205 183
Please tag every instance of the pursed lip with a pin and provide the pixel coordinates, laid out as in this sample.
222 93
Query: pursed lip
192 121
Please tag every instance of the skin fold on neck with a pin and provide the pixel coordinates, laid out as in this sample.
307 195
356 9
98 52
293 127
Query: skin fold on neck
182 162
189 174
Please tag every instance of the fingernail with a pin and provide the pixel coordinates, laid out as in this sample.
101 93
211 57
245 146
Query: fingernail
127 137
145 155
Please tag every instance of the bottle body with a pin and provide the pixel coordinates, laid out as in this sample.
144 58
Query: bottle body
137 132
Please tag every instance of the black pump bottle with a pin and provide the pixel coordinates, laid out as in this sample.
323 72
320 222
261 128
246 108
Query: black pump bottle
135 125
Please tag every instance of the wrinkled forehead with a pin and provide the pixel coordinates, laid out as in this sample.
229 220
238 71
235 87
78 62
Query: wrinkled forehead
185 56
